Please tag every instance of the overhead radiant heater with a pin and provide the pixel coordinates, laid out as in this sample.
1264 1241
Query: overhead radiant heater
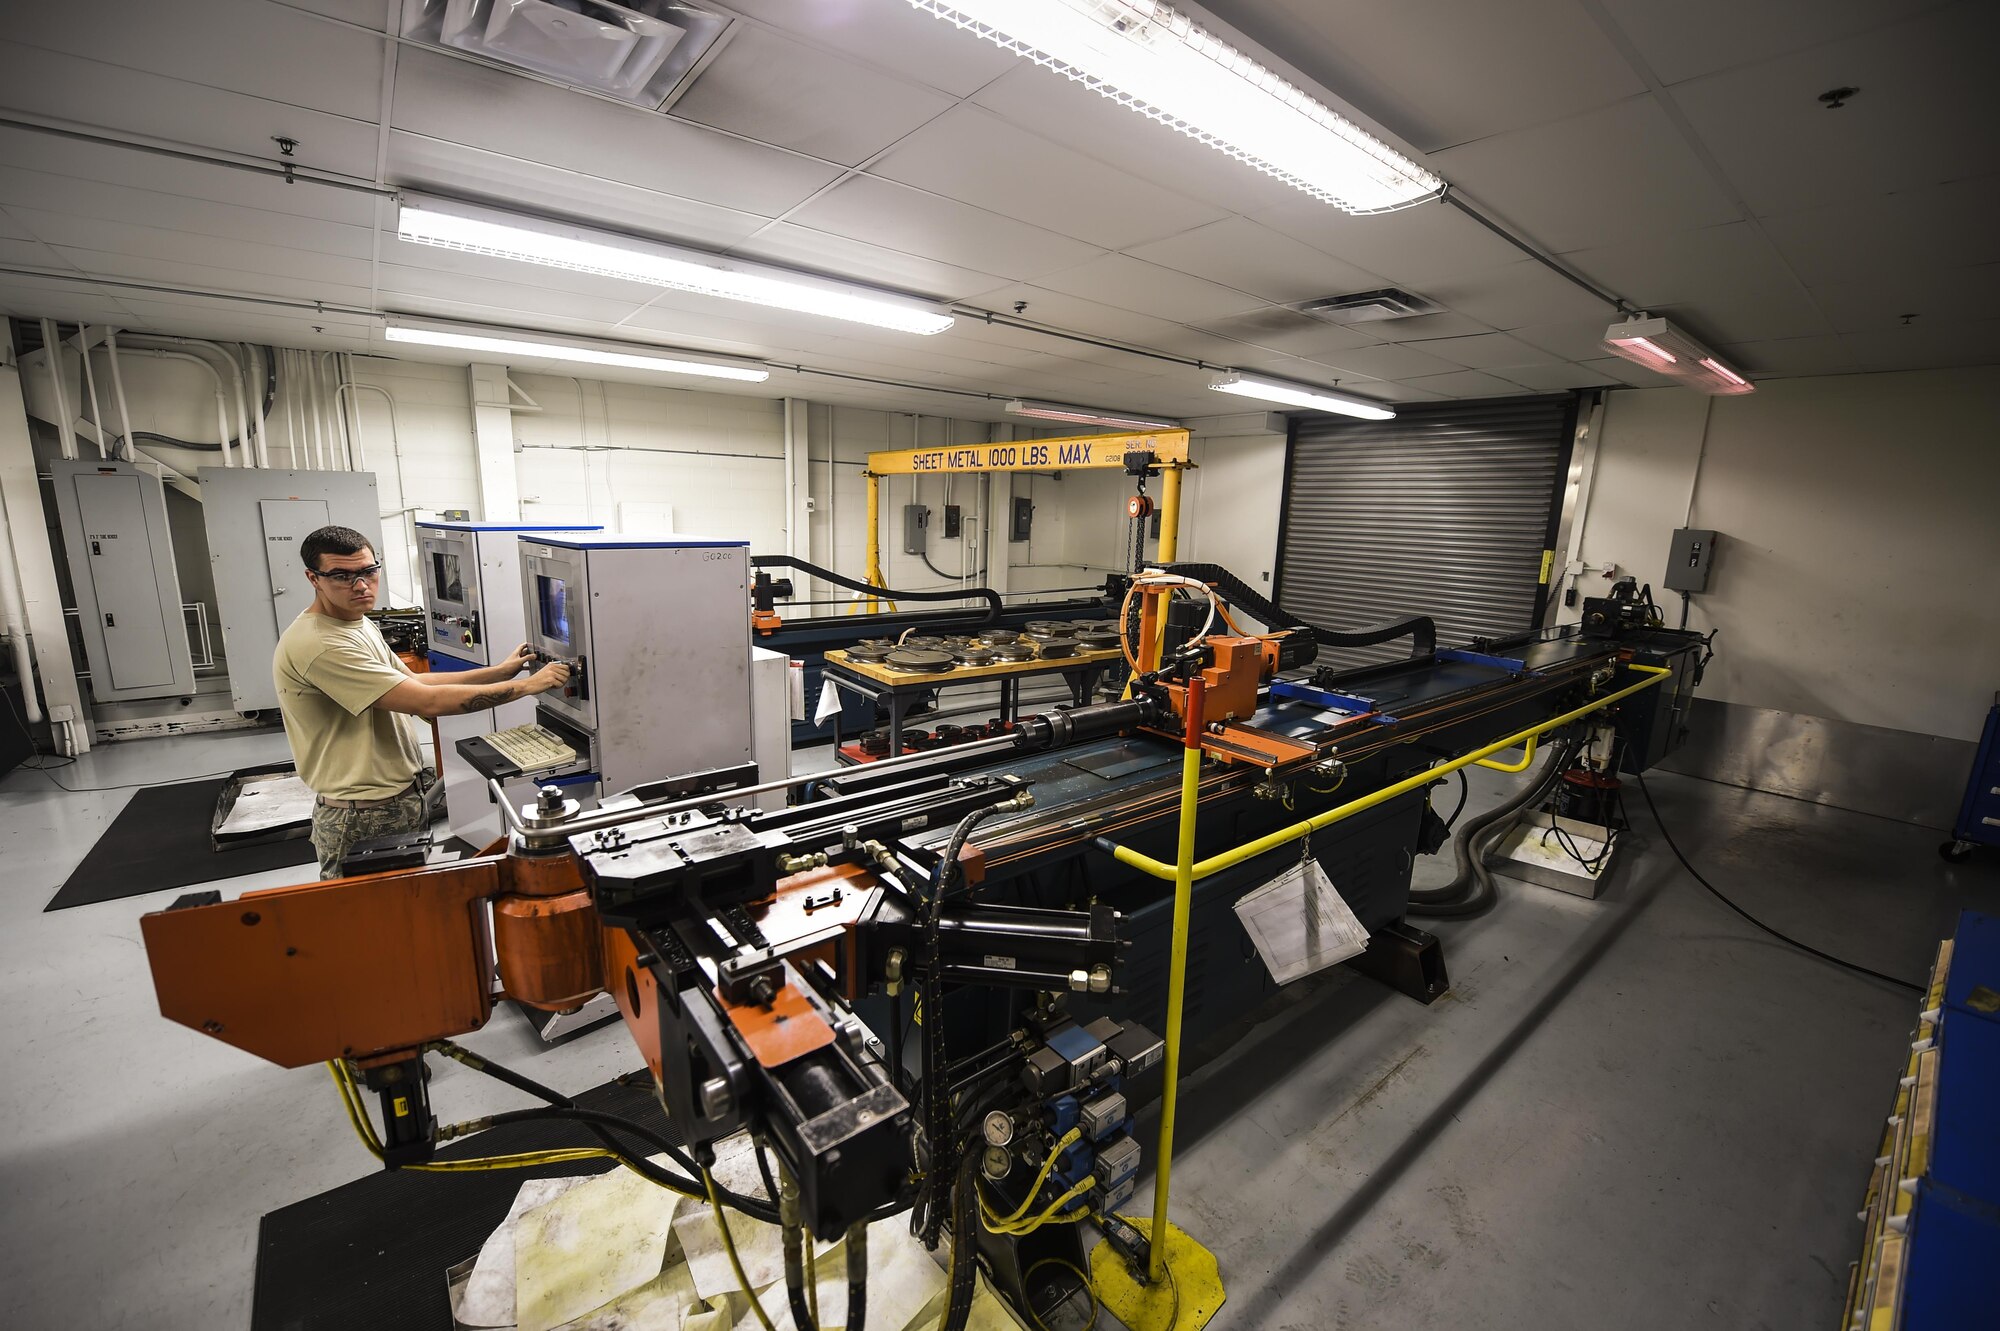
1665 349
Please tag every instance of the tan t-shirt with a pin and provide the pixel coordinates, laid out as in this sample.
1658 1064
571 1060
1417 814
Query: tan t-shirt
329 673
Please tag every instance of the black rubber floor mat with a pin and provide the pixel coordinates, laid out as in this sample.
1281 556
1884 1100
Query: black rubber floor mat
374 1252
160 839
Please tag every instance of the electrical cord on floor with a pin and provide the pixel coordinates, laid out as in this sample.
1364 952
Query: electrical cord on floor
1464 792
1787 939
729 1247
1083 1280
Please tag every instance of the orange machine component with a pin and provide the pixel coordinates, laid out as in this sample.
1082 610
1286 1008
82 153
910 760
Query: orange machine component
551 949
777 1034
638 995
1231 683
766 621
340 969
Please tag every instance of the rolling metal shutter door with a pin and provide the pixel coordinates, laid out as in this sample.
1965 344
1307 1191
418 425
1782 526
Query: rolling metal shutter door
1444 511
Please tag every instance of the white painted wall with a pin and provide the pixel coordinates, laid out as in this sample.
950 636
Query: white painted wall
1860 527
1233 498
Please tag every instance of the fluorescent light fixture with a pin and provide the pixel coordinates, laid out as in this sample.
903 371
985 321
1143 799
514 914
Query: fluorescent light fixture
1057 411
500 342
1301 395
1163 65
478 230
1667 349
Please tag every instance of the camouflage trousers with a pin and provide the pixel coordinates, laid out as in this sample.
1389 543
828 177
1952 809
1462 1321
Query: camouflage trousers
337 831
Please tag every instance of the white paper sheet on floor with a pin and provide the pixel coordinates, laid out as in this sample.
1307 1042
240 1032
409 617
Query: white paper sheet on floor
1300 924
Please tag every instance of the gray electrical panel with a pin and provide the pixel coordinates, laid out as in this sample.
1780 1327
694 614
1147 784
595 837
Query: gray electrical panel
128 595
916 523
256 519
1688 559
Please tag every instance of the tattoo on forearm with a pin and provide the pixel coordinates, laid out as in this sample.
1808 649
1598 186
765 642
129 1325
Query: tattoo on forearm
479 702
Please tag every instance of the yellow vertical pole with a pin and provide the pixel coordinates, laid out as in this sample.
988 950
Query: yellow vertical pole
874 537
1176 979
1170 514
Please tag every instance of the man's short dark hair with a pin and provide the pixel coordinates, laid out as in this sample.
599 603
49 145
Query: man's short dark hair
332 541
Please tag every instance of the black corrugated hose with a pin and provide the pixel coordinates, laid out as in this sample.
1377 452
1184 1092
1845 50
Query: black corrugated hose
1471 889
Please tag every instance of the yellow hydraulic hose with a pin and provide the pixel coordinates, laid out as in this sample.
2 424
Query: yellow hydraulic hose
1215 864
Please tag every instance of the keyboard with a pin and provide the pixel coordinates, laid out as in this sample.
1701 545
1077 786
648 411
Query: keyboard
531 748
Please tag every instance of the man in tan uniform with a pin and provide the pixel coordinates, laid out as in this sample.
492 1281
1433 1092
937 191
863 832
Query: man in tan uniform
347 702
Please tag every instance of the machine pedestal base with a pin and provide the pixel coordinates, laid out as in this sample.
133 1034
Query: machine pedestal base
1185 1301
1407 959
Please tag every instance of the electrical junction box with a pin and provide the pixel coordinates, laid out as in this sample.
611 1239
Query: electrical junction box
256 518
1023 525
1688 559
471 578
954 524
916 523
121 567
657 637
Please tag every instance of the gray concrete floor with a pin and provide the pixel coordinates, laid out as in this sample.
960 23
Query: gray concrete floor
1634 1112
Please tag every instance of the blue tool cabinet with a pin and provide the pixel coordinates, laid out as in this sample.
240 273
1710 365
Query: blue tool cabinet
1979 813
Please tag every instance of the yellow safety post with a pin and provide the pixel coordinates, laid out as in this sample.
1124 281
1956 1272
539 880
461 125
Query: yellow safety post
1182 1287
1229 859
875 577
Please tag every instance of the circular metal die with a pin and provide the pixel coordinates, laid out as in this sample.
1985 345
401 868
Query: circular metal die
918 660
549 812
1014 651
1048 628
869 655
1056 648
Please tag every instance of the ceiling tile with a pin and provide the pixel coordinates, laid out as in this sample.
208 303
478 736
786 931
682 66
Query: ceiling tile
1068 112
1931 227
448 265
1726 282
1557 378
468 103
453 169
237 45
78 235
207 277
1485 351
1394 392
1425 327
1058 307
1821 354
1463 383
893 36
1602 177
1133 284
1924 113
93 199
1290 332
26 299
1569 339
1692 37
1924 348
778 91
1389 361
1522 293
1439 72
1414 248
1243 254
527 301
859 261
90 92
30 253
1951 296
173 178
884 213
974 156
1625 372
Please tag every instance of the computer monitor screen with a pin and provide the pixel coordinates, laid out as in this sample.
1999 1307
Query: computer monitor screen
447 578
553 594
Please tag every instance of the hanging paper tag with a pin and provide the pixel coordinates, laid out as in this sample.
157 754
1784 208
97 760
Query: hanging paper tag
1300 923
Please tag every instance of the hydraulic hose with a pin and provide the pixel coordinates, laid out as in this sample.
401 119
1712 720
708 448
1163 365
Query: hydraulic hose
794 1247
1471 889
987 594
964 1248
857 1276
1420 629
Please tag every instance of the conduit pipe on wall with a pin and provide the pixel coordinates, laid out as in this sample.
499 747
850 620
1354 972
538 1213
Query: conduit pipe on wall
221 398
14 617
118 389
52 361
90 386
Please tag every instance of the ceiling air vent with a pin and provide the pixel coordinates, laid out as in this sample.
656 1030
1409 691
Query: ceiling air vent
639 52
1368 306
